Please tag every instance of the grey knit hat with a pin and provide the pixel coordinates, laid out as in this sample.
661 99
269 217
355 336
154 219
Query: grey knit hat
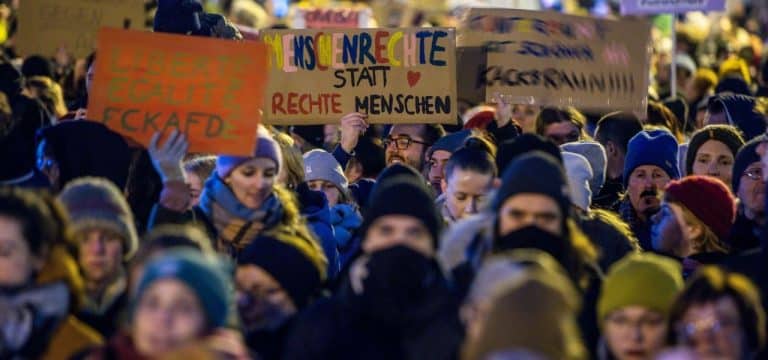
321 165
97 202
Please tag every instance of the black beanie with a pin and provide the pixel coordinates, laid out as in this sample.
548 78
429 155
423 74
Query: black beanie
725 134
36 65
398 169
538 173
287 264
403 195
511 149
747 155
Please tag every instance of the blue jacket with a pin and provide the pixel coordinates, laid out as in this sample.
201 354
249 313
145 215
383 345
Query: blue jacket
314 206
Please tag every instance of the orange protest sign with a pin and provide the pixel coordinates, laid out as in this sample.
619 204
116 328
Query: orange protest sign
211 89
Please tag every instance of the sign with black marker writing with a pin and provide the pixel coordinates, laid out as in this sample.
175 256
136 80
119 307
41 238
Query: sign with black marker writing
48 25
393 75
551 59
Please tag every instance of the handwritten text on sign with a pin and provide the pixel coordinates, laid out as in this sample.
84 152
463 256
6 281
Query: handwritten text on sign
149 82
560 59
393 75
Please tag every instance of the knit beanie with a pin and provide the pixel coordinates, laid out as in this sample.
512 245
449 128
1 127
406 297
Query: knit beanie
403 195
511 149
205 277
321 165
266 147
97 202
538 173
652 147
281 257
746 156
579 174
595 154
708 198
723 133
478 117
733 84
451 142
640 279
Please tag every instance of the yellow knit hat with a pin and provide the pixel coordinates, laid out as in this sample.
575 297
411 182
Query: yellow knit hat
647 280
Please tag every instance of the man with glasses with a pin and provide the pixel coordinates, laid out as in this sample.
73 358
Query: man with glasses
749 186
405 143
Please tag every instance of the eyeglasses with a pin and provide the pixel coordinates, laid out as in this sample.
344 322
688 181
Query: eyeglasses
402 142
754 174
687 332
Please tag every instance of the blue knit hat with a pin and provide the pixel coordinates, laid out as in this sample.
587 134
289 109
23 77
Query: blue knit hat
652 147
205 277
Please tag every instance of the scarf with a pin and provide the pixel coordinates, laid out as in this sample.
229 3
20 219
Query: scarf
236 224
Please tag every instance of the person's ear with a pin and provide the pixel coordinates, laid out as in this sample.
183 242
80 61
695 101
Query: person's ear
610 148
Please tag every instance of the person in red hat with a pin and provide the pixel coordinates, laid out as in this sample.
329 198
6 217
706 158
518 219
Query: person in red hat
694 222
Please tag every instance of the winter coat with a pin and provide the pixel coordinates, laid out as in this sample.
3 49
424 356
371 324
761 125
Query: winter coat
745 234
104 316
641 229
314 207
336 329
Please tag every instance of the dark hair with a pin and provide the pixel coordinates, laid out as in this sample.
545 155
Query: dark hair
37 65
172 236
726 134
618 128
711 284
475 156
38 226
202 166
554 115
659 114
431 133
90 60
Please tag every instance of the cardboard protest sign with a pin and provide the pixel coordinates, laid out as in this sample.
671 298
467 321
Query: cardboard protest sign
211 89
47 25
550 59
336 17
393 75
630 7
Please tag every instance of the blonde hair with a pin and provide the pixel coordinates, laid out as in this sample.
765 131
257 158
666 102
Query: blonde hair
292 170
707 241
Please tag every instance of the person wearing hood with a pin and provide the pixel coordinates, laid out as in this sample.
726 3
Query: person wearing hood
736 110
712 152
276 279
102 224
439 154
395 303
613 132
63 155
749 187
694 222
650 165
240 201
39 283
634 306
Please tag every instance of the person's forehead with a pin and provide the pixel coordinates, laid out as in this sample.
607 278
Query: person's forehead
410 130
441 155
647 168
397 220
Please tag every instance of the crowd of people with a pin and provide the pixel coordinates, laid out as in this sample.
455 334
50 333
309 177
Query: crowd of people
519 232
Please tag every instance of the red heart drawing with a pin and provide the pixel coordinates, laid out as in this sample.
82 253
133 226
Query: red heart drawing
413 77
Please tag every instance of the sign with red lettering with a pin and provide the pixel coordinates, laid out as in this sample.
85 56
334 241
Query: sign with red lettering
337 17
47 25
149 82
551 59
393 75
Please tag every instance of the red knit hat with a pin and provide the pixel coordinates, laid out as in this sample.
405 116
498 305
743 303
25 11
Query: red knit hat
708 198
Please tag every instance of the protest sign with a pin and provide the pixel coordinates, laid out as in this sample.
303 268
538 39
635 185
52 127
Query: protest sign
393 75
336 17
550 59
633 7
211 89
47 25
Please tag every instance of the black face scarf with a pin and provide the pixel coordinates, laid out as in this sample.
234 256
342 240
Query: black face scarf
398 280
533 237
